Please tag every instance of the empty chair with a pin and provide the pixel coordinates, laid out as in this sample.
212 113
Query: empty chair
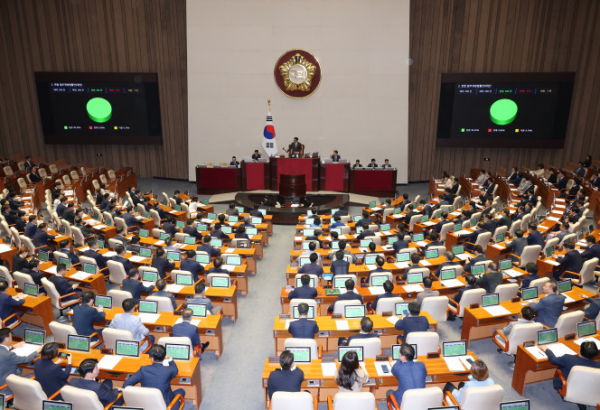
530 254
567 322
22 279
118 296
388 304
293 401
315 351
61 332
586 274
352 401
149 398
62 303
28 393
519 334
413 220
507 291
164 303
427 342
5 275
479 398
436 307
469 297
371 346
447 228
418 399
582 386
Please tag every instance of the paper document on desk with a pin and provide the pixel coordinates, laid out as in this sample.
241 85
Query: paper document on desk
195 322
157 243
393 319
295 205
422 243
80 276
455 213
552 262
297 238
371 267
376 290
451 283
25 350
497 310
568 299
552 218
83 249
462 256
229 250
512 273
110 254
388 233
588 339
174 288
5 248
92 222
412 288
342 325
341 236
463 232
378 234
149 317
425 263
137 259
51 269
498 246
328 369
387 247
429 223
99 227
454 364
376 209
108 362
560 349
402 265
536 352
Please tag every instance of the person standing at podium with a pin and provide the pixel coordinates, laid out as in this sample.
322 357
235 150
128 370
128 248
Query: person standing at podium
335 157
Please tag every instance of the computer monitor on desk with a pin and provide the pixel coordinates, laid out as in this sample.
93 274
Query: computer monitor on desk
78 343
564 286
529 293
418 237
378 280
30 289
53 405
148 306
35 337
478 270
354 311
431 254
342 350
457 348
587 328
490 300
547 336
129 348
402 308
413 278
178 351
515 405
102 300
447 274
301 354
149 276
296 313
145 252
198 309
505 264
403 257
184 279
311 283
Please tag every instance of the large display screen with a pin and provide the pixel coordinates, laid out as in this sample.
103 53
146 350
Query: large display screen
99 108
504 110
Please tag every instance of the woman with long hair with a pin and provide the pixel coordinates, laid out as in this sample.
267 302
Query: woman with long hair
350 377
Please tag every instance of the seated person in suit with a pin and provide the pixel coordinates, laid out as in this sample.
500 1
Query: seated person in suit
479 257
349 295
379 262
532 270
415 258
287 379
161 263
134 245
247 219
256 156
89 371
62 285
410 374
35 272
335 157
41 237
92 252
83 228
31 228
303 328
339 266
20 222
587 352
189 264
449 256
128 321
241 233
472 237
157 375
133 285
526 316
471 284
232 210
187 329
256 213
413 322
52 376
490 279
234 162
517 244
7 302
34 176
400 243
205 247
479 377
591 312
189 229
366 332
161 284
337 222
342 247
61 207
65 248
217 233
570 262
550 307
129 219
386 164
19 261
315 237
489 224
388 288
200 298
364 222
535 237
427 283
313 267
169 226
372 164
304 291
119 257
85 314
217 263
312 247
357 164
435 241
9 359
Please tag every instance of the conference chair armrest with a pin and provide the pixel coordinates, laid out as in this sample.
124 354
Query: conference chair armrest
499 333
572 273
235 283
471 244
596 273
99 342
315 403
320 351
198 350
371 311
179 307
11 318
453 304
70 302
449 400
176 399
56 393
329 403
392 403
149 342
109 405
563 389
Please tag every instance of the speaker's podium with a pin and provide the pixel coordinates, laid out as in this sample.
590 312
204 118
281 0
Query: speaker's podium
286 171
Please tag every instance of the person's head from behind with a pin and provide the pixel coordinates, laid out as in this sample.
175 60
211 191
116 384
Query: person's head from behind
161 284
372 246
570 245
478 249
305 279
491 267
157 353
427 282
133 274
414 308
388 286
415 258
379 261
49 351
407 353
128 305
347 368
366 325
3 285
88 369
531 268
342 244
303 309
349 284
187 314
312 246
479 370
199 288
313 257
588 350
519 233
5 336
434 236
471 280
339 255
286 360
449 256
527 313
87 298
218 262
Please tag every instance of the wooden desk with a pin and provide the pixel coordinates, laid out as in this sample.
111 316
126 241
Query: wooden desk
226 298
479 324
529 369
367 181
95 283
38 310
7 253
328 333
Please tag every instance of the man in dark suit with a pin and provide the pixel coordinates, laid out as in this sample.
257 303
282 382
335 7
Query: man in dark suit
313 267
190 265
340 266
587 352
472 237
62 284
415 258
304 291
256 213
89 370
234 162
505 219
217 233
119 236
256 156
449 256
388 288
7 302
217 263
335 157
572 262
34 271
52 376
489 224
9 216
413 322
161 284
129 218
187 329
287 379
61 207
205 247
471 284
549 307
349 295
479 257
31 228
438 228
189 229
120 250
562 180
133 285
518 243
28 163
372 164
104 203
532 271
595 180
85 314
41 237
435 241
408 216
303 328
514 175
366 332
591 312
161 263
580 170
410 374
34 175
379 262
169 226
490 279
69 214
535 237
92 252
400 243
157 375
9 359
592 250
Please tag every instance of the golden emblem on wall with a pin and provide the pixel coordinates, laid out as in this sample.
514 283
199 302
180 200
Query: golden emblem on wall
297 73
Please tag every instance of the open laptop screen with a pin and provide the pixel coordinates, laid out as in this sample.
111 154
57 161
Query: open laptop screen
457 348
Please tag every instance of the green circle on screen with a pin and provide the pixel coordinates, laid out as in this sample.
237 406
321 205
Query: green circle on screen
503 111
99 110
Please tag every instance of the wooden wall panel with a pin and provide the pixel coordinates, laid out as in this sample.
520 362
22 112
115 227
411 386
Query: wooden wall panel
94 35
454 36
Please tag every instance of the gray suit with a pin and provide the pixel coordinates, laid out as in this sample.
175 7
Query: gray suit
9 362
549 309
517 246
131 322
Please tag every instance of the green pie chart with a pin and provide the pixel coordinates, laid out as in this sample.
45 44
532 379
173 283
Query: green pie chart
503 111
99 110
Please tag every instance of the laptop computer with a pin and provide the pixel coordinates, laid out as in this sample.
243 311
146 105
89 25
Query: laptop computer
310 314
587 328
354 311
311 283
30 289
199 309
173 256
564 286
301 354
184 280
515 405
342 350
129 348
529 293
490 300
547 336
203 258
456 348
90 268
431 254
378 280
78 343
413 278
103 300
149 276
144 233
403 257
53 405
148 306
402 308
189 240
178 351
219 282
478 270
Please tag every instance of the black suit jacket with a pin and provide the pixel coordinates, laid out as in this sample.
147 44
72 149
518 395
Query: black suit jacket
572 261
566 363
489 281
84 317
303 328
61 284
592 252
51 376
350 295
135 287
126 264
106 394
303 292
162 265
473 261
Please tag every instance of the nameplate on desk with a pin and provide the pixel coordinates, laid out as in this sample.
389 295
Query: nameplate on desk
227 300
336 316
273 359
284 316
313 383
378 331
323 333
210 332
